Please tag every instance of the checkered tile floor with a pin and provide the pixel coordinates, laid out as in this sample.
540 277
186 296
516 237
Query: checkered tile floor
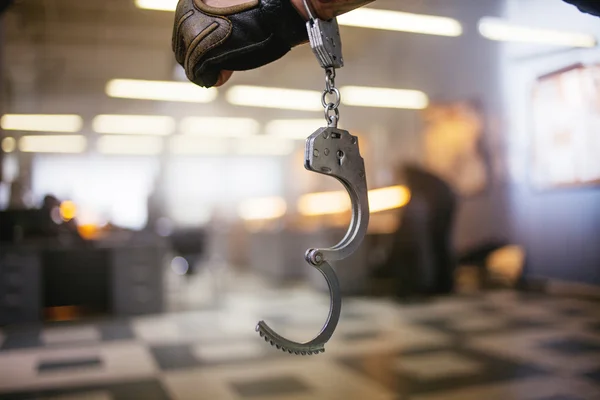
501 345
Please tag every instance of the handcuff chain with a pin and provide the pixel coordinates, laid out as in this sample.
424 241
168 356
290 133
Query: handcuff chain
332 113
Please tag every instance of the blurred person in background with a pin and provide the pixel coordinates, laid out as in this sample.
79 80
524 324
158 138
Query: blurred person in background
213 38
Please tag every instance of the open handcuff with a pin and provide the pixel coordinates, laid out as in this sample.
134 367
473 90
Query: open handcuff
333 152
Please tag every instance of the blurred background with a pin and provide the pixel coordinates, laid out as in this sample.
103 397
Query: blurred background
147 224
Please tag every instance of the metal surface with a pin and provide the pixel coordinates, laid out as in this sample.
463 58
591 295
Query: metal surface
317 345
325 40
334 152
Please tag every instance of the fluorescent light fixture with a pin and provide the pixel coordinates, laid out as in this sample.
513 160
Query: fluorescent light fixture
160 91
401 21
298 129
324 203
388 198
264 146
269 97
219 127
158 5
265 208
190 145
497 29
41 123
134 124
53 144
363 18
9 144
384 97
130 145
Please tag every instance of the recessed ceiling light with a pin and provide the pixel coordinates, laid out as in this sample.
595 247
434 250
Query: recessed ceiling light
401 21
160 91
497 29
384 97
53 144
159 5
220 127
134 124
130 145
269 97
41 122
299 129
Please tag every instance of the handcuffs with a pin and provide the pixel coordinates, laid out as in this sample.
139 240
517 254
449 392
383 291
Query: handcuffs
333 152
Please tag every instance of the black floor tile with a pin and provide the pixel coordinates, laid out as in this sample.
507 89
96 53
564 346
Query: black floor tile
22 339
116 330
489 309
54 366
146 390
571 346
594 375
276 386
528 323
381 368
572 312
595 326
174 356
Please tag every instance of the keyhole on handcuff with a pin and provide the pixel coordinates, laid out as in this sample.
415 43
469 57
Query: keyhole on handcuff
340 156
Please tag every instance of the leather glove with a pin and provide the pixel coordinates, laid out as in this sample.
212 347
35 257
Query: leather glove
587 6
207 40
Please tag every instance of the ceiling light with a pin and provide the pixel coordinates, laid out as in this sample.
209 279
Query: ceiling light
159 5
262 208
190 145
268 97
41 123
53 144
384 97
388 198
265 146
220 127
130 145
134 124
8 144
497 29
299 129
160 90
363 18
401 21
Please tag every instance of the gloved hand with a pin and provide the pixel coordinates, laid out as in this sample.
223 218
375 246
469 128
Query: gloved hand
208 40
587 6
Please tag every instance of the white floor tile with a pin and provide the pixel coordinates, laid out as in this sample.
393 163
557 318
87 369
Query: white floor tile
228 351
120 361
69 335
157 330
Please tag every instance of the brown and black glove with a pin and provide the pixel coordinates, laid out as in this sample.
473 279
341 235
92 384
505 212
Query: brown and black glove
587 6
207 40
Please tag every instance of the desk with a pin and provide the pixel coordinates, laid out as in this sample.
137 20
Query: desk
111 279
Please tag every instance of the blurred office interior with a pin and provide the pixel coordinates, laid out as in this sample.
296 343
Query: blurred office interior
147 224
